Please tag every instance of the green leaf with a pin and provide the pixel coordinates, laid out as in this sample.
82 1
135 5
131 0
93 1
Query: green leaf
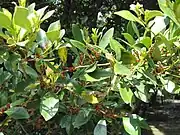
89 97
49 107
129 38
121 69
22 3
40 12
53 32
12 63
101 73
22 85
6 23
17 113
4 55
116 46
169 86
127 58
166 6
82 118
156 53
77 33
150 76
142 93
106 38
47 15
160 24
80 46
146 41
66 122
141 122
101 128
62 52
126 93
128 16
4 77
7 13
131 126
149 14
21 18
91 68
31 72
42 38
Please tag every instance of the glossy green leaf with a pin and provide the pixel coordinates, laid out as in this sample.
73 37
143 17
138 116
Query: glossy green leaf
47 15
7 13
4 77
101 128
21 18
129 38
125 93
82 118
80 46
166 6
106 38
53 32
146 41
121 69
30 71
49 107
150 14
77 33
128 16
116 46
141 93
91 68
131 126
127 58
40 12
17 113
6 23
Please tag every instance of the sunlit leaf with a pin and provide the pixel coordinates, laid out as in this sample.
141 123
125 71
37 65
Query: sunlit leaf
106 38
49 107
101 128
128 16
121 69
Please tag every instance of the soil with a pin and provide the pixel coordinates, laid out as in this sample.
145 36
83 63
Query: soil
164 119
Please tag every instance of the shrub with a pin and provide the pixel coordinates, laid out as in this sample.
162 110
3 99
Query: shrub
91 80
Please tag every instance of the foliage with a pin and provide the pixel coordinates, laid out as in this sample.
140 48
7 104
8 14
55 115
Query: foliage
108 74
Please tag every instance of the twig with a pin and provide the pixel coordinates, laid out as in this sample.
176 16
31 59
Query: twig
23 128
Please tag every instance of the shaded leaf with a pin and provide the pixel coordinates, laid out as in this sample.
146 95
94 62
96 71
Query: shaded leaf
17 113
77 33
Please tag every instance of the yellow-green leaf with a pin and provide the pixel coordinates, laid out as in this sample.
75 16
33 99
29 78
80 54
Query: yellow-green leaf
89 97
62 52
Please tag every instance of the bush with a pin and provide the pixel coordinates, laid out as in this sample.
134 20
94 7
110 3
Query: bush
88 82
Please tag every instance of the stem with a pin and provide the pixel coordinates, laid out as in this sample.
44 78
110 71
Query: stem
23 128
98 65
